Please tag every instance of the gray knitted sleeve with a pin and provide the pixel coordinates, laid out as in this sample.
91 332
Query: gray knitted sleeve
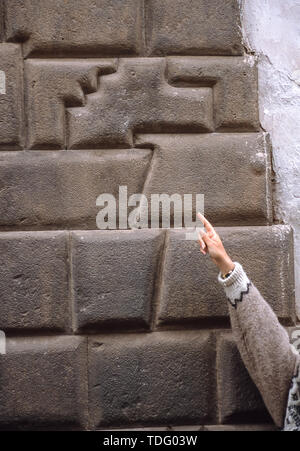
264 345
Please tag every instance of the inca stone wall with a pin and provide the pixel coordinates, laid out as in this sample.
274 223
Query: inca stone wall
128 328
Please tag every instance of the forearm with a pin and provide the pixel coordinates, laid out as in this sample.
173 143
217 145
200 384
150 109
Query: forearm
263 343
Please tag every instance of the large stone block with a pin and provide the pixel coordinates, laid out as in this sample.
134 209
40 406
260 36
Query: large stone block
234 84
114 277
184 94
53 85
230 170
1 20
152 379
33 281
239 399
43 383
83 28
59 189
193 27
190 291
11 96
138 98
241 428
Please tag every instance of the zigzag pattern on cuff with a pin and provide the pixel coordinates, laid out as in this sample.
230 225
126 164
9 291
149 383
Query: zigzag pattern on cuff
236 285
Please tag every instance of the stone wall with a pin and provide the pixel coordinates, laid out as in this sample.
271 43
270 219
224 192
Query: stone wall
128 328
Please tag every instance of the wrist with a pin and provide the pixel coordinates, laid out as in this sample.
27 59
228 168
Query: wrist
225 265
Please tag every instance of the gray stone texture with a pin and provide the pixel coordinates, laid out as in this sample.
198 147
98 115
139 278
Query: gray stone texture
190 292
239 399
59 189
43 383
174 95
234 84
11 97
138 98
1 20
238 192
113 276
193 27
208 428
240 428
152 379
81 27
136 95
124 27
34 291
51 87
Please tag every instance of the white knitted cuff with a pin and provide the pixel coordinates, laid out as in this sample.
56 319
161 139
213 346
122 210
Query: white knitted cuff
236 285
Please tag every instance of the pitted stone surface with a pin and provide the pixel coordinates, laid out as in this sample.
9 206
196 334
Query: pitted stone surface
177 95
1 20
138 98
108 101
193 27
159 378
60 189
190 292
34 292
238 191
114 276
84 28
43 383
11 97
52 86
234 84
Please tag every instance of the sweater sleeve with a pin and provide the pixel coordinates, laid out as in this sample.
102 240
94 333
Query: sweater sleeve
262 342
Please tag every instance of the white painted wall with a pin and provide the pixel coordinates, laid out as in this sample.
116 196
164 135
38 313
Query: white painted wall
271 28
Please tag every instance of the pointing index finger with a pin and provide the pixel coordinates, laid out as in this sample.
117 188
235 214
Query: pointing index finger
206 223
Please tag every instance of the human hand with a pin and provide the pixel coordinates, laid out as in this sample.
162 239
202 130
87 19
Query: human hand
211 243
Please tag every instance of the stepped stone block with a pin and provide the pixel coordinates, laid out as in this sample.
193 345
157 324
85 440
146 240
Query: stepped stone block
234 84
140 95
239 399
136 379
114 277
231 170
11 95
53 85
43 383
193 27
138 98
190 291
86 28
59 189
33 281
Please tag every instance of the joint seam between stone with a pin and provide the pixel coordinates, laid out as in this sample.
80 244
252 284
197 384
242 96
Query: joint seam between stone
73 324
160 283
87 385
24 141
